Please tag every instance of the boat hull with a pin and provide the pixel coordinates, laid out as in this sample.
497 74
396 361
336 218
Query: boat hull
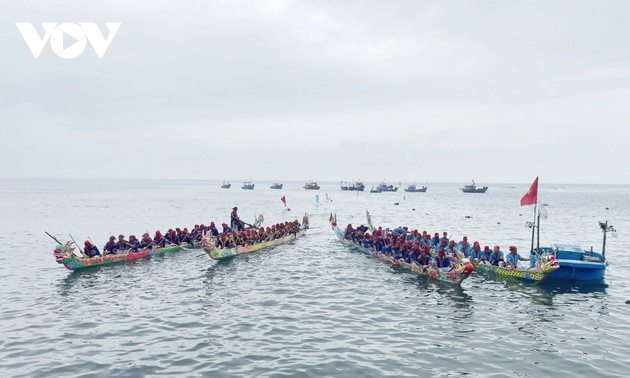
422 190
527 275
70 261
210 248
579 271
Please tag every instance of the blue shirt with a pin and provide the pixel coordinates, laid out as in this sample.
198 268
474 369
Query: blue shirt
510 259
444 263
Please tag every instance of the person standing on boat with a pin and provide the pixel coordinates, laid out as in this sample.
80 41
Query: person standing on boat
496 258
513 258
236 222
90 249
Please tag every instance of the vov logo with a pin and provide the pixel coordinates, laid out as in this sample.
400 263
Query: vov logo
56 33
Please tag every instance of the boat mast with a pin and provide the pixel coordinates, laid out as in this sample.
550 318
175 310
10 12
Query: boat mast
534 227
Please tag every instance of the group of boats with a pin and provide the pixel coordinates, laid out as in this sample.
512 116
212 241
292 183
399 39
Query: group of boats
70 255
248 185
360 187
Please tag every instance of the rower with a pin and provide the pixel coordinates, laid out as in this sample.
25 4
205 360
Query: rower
424 259
111 247
159 241
90 249
122 243
513 258
496 257
132 244
213 229
146 241
441 260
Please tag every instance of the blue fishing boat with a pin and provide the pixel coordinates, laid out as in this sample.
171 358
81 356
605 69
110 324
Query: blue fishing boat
387 188
226 185
357 186
578 264
248 185
276 185
473 188
344 186
414 189
376 190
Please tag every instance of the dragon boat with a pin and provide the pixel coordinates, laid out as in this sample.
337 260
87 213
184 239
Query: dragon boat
454 275
65 254
209 244
543 267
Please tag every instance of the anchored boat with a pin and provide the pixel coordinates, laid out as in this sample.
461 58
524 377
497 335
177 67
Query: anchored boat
473 188
226 185
248 186
387 188
276 185
311 185
414 189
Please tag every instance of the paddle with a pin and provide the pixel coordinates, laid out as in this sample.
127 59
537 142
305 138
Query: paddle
77 245
53 238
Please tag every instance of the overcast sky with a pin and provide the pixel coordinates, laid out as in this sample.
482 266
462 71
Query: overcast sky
427 91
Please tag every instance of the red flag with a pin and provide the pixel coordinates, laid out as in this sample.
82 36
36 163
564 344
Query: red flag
531 197
284 200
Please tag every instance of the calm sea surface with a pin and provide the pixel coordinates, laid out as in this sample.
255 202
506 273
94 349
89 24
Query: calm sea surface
309 308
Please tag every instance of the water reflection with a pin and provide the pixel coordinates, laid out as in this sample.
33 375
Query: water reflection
78 280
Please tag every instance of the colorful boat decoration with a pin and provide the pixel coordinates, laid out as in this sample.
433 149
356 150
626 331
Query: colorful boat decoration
276 185
65 254
312 185
473 188
542 269
210 244
414 189
248 185
455 275
226 185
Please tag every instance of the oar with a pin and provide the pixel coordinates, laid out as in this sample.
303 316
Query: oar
75 243
53 238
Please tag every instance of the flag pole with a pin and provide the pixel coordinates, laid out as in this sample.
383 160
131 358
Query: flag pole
534 227
538 233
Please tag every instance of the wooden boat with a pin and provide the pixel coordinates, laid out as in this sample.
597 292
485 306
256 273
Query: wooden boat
276 185
473 188
65 254
210 245
248 185
414 189
226 185
312 185
543 268
455 275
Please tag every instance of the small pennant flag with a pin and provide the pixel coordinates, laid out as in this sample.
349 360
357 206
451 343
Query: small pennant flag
531 197
284 201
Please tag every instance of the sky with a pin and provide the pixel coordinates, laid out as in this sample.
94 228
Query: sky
426 91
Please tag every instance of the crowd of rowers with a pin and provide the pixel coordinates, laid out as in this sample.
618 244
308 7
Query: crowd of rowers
227 238
426 250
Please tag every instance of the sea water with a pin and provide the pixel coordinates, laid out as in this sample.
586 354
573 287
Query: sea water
312 307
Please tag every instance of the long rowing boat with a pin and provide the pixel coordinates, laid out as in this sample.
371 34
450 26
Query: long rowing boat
64 254
209 244
455 275
538 273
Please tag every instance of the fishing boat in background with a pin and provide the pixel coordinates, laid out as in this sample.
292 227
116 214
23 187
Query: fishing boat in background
276 185
387 188
454 275
357 186
376 190
210 244
226 185
312 185
68 255
414 189
473 188
248 185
